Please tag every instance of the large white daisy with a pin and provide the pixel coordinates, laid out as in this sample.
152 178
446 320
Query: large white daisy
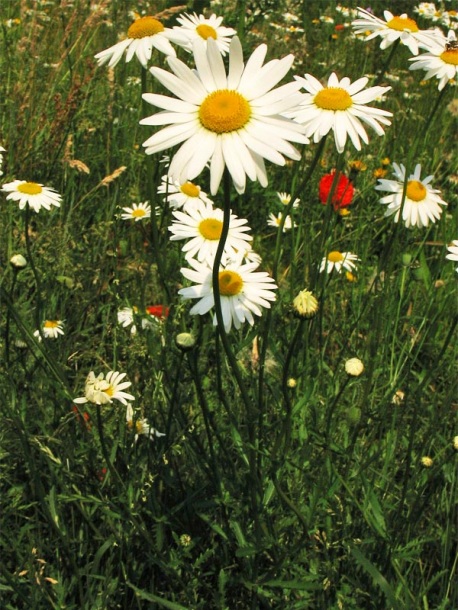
453 252
193 27
143 35
32 193
339 261
103 389
394 28
243 291
441 61
422 203
202 226
341 106
231 120
185 195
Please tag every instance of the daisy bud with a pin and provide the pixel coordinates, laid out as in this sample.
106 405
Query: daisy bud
18 262
455 443
426 461
354 367
305 305
185 341
291 383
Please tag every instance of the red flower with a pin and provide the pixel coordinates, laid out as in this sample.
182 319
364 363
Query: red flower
339 27
343 193
83 417
159 311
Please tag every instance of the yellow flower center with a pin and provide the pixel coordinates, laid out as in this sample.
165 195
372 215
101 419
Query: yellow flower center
138 427
51 324
206 31
335 257
230 283
210 228
415 190
138 213
145 26
224 110
450 57
190 189
109 391
401 24
30 188
333 98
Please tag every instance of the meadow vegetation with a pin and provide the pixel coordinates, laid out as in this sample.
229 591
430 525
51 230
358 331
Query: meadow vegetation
275 474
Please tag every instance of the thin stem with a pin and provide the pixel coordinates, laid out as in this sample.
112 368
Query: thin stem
385 66
28 247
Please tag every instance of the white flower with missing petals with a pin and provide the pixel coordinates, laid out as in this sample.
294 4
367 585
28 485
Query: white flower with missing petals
102 390
232 120
140 425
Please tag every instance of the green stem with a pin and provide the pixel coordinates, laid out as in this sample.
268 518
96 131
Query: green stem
28 247
386 65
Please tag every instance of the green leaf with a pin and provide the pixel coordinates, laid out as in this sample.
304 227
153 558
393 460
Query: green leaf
377 577
150 597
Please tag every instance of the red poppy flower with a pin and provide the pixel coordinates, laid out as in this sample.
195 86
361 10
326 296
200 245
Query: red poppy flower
339 27
83 417
343 193
159 311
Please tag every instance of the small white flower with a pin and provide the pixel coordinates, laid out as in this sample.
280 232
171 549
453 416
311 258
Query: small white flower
32 193
421 204
184 195
138 211
441 61
143 35
274 221
18 261
202 226
51 330
243 291
453 252
193 27
341 106
140 425
393 28
2 150
103 389
339 261
285 199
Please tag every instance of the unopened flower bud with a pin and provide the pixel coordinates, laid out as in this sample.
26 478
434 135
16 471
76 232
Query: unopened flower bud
291 383
354 367
18 262
305 304
426 461
185 341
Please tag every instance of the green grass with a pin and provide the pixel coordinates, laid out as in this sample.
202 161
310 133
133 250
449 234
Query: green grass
260 495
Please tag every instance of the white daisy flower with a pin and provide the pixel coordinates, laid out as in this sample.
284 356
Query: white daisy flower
339 261
143 35
194 27
203 225
230 120
285 199
126 317
243 291
141 426
103 389
394 28
2 150
274 221
441 61
51 330
184 195
138 211
422 203
453 252
341 106
32 193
